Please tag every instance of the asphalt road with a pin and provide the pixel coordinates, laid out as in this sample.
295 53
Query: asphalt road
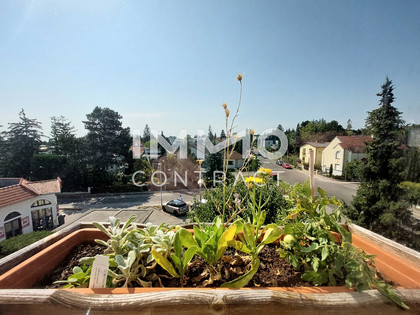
342 190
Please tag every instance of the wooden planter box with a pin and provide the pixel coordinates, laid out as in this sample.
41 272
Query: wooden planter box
396 262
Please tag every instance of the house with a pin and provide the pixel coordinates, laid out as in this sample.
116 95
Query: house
342 150
317 147
235 160
27 206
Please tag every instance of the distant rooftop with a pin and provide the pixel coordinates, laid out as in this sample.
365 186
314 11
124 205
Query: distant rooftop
318 144
355 144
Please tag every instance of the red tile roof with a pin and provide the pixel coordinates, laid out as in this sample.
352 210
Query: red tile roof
318 144
25 190
234 156
355 144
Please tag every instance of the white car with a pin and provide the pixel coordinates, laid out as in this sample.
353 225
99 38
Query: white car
176 206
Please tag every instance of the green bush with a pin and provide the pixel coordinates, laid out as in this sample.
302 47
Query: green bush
119 188
213 200
13 244
412 191
292 159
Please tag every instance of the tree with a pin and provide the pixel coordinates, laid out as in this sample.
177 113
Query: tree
378 205
222 134
62 136
146 134
22 141
280 127
108 144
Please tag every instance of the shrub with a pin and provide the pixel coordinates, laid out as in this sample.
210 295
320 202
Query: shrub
412 191
13 244
206 211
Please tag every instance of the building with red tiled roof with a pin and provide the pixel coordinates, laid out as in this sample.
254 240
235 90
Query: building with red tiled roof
341 151
235 160
316 147
27 206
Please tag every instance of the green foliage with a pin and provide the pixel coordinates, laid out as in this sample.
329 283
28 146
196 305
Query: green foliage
62 138
118 242
378 203
179 258
254 165
353 170
270 192
47 166
79 279
21 142
412 192
310 244
412 162
108 145
292 160
13 244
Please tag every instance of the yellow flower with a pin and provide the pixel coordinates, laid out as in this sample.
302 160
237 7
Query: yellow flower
256 180
252 131
264 171
227 112
239 78
224 106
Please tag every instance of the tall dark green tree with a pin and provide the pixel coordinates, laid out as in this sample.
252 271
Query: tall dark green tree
222 134
146 134
213 161
63 137
108 144
378 205
22 140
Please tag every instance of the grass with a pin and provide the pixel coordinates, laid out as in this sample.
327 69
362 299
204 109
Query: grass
13 244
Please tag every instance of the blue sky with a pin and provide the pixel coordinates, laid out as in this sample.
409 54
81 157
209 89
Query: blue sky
172 64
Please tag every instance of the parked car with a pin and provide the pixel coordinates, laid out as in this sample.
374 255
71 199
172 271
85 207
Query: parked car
176 206
279 162
287 165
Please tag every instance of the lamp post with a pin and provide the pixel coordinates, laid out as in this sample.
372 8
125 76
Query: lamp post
160 182
200 181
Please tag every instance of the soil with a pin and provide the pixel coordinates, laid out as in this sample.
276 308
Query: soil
274 271
65 268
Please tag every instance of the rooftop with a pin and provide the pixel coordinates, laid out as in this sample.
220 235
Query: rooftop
355 144
13 190
318 144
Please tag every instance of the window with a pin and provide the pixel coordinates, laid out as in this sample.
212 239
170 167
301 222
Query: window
42 219
40 202
12 224
337 154
11 216
230 162
337 167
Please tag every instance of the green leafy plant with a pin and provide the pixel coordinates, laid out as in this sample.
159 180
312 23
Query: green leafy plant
79 279
211 242
118 241
180 259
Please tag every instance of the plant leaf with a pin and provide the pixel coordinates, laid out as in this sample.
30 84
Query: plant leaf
164 263
244 279
186 238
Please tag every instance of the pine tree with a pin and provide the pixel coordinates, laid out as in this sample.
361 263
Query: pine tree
62 136
146 134
378 205
22 142
222 134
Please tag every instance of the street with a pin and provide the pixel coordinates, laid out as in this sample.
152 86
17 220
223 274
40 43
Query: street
339 189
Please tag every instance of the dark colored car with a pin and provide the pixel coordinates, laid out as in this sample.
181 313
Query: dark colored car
279 162
287 165
176 207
